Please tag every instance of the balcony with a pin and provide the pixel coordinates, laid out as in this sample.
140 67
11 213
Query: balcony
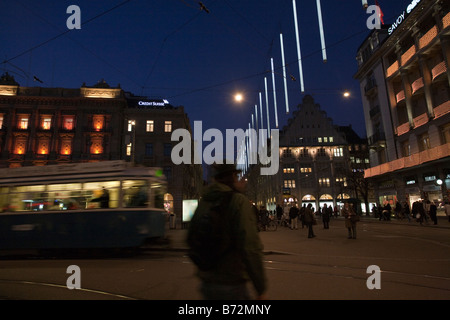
374 111
428 37
403 128
413 160
438 69
408 55
446 20
416 85
400 96
392 69
442 109
420 120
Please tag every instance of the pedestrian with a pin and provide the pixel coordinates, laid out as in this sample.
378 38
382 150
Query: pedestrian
326 213
398 210
426 207
447 209
406 211
279 211
350 220
433 213
293 214
336 211
242 259
418 211
302 215
310 220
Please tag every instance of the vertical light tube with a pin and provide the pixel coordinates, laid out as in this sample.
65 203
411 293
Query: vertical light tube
322 36
274 94
267 107
261 114
300 68
284 74
256 117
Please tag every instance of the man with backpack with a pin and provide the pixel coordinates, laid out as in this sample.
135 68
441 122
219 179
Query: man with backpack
224 241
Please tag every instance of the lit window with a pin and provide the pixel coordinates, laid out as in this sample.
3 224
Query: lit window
129 149
46 123
319 139
289 183
325 139
338 152
97 122
168 126
66 147
131 123
23 122
150 126
324 182
1 121
68 122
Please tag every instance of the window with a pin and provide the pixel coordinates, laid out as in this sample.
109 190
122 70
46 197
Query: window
305 169
129 147
131 124
331 139
304 153
324 182
68 122
167 149
1 121
46 122
149 149
23 122
288 170
289 183
406 149
168 172
167 126
287 153
424 142
325 139
149 126
338 152
319 139
445 133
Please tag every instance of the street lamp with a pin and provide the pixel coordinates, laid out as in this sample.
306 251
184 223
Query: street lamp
238 97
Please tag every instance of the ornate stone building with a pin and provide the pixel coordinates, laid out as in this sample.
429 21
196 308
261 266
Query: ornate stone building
40 126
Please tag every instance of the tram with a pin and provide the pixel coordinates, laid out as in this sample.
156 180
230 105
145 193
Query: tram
108 204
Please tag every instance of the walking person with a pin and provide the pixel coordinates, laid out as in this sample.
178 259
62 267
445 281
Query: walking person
418 211
350 220
447 209
433 213
326 214
293 214
407 211
310 220
241 257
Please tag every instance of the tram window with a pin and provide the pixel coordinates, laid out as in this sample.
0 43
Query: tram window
4 200
135 193
28 198
65 196
102 194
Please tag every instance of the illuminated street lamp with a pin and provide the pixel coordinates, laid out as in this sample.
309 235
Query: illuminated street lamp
238 97
346 94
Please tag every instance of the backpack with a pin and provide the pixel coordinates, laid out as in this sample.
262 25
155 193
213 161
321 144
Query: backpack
208 236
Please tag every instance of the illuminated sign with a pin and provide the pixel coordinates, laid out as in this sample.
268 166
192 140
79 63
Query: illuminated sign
153 103
403 16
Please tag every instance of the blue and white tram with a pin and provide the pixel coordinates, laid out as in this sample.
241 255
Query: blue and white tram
107 204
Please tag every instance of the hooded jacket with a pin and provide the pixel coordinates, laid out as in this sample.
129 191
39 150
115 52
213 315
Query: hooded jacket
245 260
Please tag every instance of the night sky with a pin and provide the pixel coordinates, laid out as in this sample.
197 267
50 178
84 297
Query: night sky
195 58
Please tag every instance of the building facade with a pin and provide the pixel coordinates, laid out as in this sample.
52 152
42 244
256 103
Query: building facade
41 126
404 78
319 162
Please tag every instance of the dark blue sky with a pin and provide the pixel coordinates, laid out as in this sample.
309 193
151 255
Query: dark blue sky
171 49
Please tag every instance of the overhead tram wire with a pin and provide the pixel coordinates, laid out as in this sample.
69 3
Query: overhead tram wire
80 45
67 31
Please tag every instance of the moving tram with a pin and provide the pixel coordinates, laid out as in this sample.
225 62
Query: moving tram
101 205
